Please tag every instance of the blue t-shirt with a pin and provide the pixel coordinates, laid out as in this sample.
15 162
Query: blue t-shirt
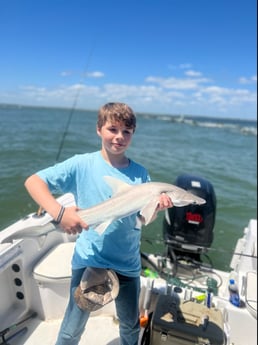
118 247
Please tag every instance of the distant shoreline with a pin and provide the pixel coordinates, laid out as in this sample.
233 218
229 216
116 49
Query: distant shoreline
165 116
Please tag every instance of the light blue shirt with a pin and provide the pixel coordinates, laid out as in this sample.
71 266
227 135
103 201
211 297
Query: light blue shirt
118 247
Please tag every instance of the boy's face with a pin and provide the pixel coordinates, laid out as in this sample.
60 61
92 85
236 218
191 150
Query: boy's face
116 137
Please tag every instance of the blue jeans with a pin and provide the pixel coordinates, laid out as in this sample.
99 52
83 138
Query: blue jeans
127 308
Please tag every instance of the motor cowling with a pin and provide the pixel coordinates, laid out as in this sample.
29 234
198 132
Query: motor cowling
192 224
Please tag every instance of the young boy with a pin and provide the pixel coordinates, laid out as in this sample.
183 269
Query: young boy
118 248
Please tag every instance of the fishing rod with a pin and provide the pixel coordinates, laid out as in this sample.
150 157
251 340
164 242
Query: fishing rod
40 210
73 106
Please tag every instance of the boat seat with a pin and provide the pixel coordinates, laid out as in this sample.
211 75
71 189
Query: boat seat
251 293
55 266
53 274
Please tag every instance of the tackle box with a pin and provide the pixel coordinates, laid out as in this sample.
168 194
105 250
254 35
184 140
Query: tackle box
176 322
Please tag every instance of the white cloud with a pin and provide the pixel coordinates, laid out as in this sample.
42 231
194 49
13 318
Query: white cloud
192 94
95 74
250 80
192 73
178 83
185 65
65 73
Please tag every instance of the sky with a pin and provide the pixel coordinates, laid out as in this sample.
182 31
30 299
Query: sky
178 57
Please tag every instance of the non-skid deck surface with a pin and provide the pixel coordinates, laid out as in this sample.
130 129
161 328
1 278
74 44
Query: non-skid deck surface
101 330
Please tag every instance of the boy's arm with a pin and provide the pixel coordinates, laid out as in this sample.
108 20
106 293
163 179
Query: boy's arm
40 193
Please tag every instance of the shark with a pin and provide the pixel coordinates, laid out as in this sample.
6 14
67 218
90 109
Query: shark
126 199
129 199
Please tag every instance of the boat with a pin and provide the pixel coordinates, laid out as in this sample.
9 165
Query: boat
183 300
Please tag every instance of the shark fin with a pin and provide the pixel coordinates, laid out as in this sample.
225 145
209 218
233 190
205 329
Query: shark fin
167 216
117 185
149 210
102 227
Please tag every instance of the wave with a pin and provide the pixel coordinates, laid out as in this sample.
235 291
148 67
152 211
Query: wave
245 127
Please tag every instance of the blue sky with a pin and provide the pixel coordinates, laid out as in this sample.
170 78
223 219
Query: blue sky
192 57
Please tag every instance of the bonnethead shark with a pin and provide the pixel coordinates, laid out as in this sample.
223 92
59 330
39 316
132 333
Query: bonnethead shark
129 199
126 200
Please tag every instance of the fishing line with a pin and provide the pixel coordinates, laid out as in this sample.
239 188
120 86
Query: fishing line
151 240
73 106
233 253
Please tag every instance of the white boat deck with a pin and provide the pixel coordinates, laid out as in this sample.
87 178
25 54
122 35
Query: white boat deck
104 330
100 330
43 287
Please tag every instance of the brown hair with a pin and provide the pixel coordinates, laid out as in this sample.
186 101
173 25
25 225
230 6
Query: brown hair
116 112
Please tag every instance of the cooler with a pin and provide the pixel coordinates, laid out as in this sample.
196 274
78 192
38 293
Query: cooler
185 323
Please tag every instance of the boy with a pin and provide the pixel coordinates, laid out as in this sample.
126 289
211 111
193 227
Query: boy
118 248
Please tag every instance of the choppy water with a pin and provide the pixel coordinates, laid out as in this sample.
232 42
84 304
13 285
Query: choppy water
222 151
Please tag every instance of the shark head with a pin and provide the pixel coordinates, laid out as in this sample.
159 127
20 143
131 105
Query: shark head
181 197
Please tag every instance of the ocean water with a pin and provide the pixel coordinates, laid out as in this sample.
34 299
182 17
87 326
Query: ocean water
222 151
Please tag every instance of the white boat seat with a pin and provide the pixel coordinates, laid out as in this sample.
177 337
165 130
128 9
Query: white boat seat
251 293
56 264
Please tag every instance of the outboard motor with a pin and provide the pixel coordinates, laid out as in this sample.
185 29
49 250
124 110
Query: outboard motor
189 229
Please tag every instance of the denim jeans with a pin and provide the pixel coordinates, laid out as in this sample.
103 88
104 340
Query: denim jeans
127 308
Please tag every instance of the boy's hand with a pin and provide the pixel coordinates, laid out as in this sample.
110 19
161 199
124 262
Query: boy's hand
71 222
164 202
